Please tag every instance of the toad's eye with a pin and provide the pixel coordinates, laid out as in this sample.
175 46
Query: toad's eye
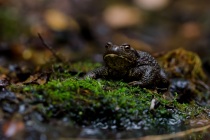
126 46
108 44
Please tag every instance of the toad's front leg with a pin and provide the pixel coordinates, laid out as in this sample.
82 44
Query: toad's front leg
101 72
143 76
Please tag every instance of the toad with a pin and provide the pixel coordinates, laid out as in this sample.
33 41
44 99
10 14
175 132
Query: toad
136 67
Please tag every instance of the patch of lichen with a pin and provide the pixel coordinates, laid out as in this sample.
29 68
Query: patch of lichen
107 104
182 64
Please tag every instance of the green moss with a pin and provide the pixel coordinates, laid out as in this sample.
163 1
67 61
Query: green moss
106 104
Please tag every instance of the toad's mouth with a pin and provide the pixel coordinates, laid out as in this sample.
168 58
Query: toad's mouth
116 56
117 61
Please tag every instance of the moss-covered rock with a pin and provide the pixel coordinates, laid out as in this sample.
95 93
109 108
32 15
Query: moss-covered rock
105 104
181 63
186 74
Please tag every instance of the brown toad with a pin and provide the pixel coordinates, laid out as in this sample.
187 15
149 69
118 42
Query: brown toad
137 67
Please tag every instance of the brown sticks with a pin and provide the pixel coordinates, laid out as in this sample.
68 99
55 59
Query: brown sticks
49 48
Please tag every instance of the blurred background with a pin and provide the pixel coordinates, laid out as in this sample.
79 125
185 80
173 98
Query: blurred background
79 29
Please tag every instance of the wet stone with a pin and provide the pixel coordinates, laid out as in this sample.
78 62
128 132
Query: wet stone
7 95
9 107
3 83
184 90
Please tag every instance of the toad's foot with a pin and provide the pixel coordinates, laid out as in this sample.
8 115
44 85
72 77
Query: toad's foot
90 75
136 83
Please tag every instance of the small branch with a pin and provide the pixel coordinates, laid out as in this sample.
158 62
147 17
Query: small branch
175 135
49 48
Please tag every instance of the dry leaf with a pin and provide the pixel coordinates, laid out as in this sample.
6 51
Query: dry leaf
39 78
12 127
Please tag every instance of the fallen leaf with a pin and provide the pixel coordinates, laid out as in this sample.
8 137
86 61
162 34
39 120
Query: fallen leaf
12 127
38 78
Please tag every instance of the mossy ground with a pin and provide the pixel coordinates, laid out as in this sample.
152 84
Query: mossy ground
104 104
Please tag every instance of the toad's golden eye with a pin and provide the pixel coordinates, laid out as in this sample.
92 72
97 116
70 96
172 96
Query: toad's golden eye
108 44
126 46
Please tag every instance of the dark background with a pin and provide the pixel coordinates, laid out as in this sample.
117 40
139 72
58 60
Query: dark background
79 29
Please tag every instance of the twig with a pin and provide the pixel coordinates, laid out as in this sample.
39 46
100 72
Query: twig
174 135
49 48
